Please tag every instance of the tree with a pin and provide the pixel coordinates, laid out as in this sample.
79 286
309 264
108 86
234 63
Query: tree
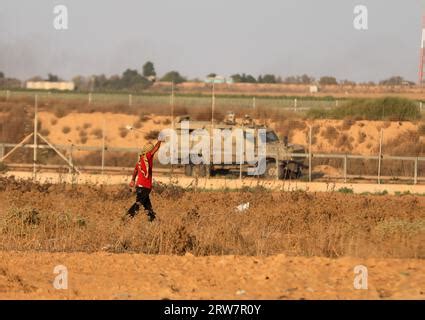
250 79
395 81
173 76
327 80
347 83
267 78
212 75
52 78
236 78
149 70
304 79
1 75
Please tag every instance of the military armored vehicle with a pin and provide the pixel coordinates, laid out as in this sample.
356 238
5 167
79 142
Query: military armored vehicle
279 160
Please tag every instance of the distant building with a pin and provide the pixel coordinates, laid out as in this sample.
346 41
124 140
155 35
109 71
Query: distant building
218 80
48 85
314 89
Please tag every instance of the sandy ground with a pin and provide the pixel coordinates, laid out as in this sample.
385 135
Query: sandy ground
30 275
362 136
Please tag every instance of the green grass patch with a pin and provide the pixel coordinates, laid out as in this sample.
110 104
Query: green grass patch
346 190
390 108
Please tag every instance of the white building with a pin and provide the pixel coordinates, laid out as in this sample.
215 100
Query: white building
48 85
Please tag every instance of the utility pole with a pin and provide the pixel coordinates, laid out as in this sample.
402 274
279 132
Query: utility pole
380 155
310 132
173 126
103 145
172 104
35 135
422 55
212 104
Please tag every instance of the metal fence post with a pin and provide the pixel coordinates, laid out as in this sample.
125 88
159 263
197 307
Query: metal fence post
380 156
1 150
345 168
103 146
309 153
415 179
70 158
277 166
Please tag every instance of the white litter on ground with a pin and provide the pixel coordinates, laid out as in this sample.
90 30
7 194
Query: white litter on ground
242 207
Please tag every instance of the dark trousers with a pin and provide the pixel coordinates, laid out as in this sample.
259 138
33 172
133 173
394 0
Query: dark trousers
142 198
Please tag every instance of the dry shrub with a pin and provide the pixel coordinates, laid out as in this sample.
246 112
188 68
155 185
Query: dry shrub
386 124
16 124
60 111
44 132
421 129
343 142
83 136
152 135
138 124
66 129
82 133
114 159
287 127
53 121
347 123
143 117
362 137
166 122
407 143
123 132
314 132
86 125
72 218
330 133
97 132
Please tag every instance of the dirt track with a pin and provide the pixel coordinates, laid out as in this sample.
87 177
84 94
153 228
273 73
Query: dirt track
134 276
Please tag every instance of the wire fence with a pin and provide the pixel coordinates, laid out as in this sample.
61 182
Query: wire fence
349 167
189 101
374 166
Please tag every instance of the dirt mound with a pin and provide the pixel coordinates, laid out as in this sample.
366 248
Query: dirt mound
328 171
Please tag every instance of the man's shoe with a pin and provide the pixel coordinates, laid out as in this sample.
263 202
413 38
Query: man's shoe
151 217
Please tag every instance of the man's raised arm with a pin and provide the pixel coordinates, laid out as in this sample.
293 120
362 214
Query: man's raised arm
156 147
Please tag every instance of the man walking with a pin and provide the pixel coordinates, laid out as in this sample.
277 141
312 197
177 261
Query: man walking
143 173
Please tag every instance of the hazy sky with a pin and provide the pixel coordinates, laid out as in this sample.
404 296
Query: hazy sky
196 37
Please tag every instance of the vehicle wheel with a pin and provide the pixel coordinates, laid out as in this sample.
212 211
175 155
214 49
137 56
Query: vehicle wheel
204 170
271 170
291 172
188 170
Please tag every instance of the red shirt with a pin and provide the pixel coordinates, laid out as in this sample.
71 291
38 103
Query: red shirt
143 169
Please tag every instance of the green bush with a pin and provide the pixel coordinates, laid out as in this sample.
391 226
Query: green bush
390 108
346 190
3 167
